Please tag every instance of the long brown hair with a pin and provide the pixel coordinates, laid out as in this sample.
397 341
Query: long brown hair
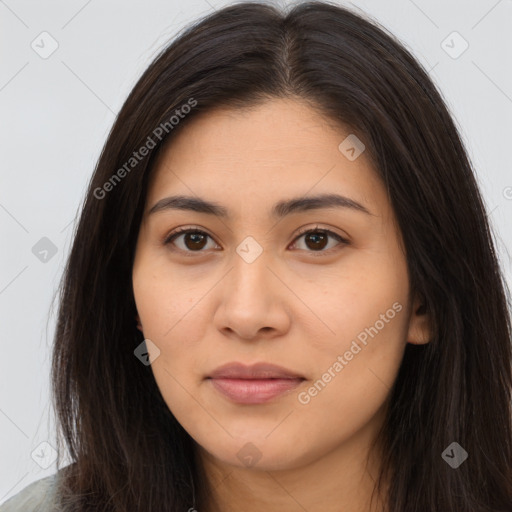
129 453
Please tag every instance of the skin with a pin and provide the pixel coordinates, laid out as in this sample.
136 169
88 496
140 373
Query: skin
295 305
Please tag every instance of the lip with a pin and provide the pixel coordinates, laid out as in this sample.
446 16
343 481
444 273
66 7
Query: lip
254 384
253 371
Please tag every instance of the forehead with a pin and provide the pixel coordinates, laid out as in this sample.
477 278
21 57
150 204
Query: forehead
279 148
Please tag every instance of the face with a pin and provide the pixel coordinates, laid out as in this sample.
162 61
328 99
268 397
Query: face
331 308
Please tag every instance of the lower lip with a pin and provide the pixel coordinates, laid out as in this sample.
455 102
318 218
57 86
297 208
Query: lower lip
254 391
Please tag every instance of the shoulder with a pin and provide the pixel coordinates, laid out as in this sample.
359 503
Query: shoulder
37 496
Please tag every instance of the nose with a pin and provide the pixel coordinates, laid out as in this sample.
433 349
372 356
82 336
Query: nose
253 301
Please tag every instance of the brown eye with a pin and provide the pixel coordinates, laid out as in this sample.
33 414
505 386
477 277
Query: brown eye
316 240
192 240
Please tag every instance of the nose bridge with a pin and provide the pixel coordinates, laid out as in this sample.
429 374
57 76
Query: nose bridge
250 274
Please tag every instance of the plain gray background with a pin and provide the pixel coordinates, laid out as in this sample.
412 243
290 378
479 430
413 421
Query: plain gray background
56 111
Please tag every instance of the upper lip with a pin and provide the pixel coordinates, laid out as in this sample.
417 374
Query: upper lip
254 371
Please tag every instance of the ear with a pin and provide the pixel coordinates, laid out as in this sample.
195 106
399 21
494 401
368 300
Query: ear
139 325
419 332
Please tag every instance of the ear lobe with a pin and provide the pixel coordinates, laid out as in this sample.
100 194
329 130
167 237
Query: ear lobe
419 324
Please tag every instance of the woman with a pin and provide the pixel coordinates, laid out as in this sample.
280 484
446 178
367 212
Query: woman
283 292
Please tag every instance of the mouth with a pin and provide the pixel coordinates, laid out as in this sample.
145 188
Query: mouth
255 384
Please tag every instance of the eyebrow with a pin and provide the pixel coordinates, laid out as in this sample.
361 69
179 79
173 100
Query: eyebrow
279 210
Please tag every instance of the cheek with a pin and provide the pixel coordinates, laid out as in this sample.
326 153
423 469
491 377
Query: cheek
353 376
165 303
356 363
172 323
365 297
173 317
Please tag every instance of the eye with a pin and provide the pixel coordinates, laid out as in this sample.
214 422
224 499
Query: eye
193 239
316 239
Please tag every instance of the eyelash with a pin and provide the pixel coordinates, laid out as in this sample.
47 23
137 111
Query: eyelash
180 231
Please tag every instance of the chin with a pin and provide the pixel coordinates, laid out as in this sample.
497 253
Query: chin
258 454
